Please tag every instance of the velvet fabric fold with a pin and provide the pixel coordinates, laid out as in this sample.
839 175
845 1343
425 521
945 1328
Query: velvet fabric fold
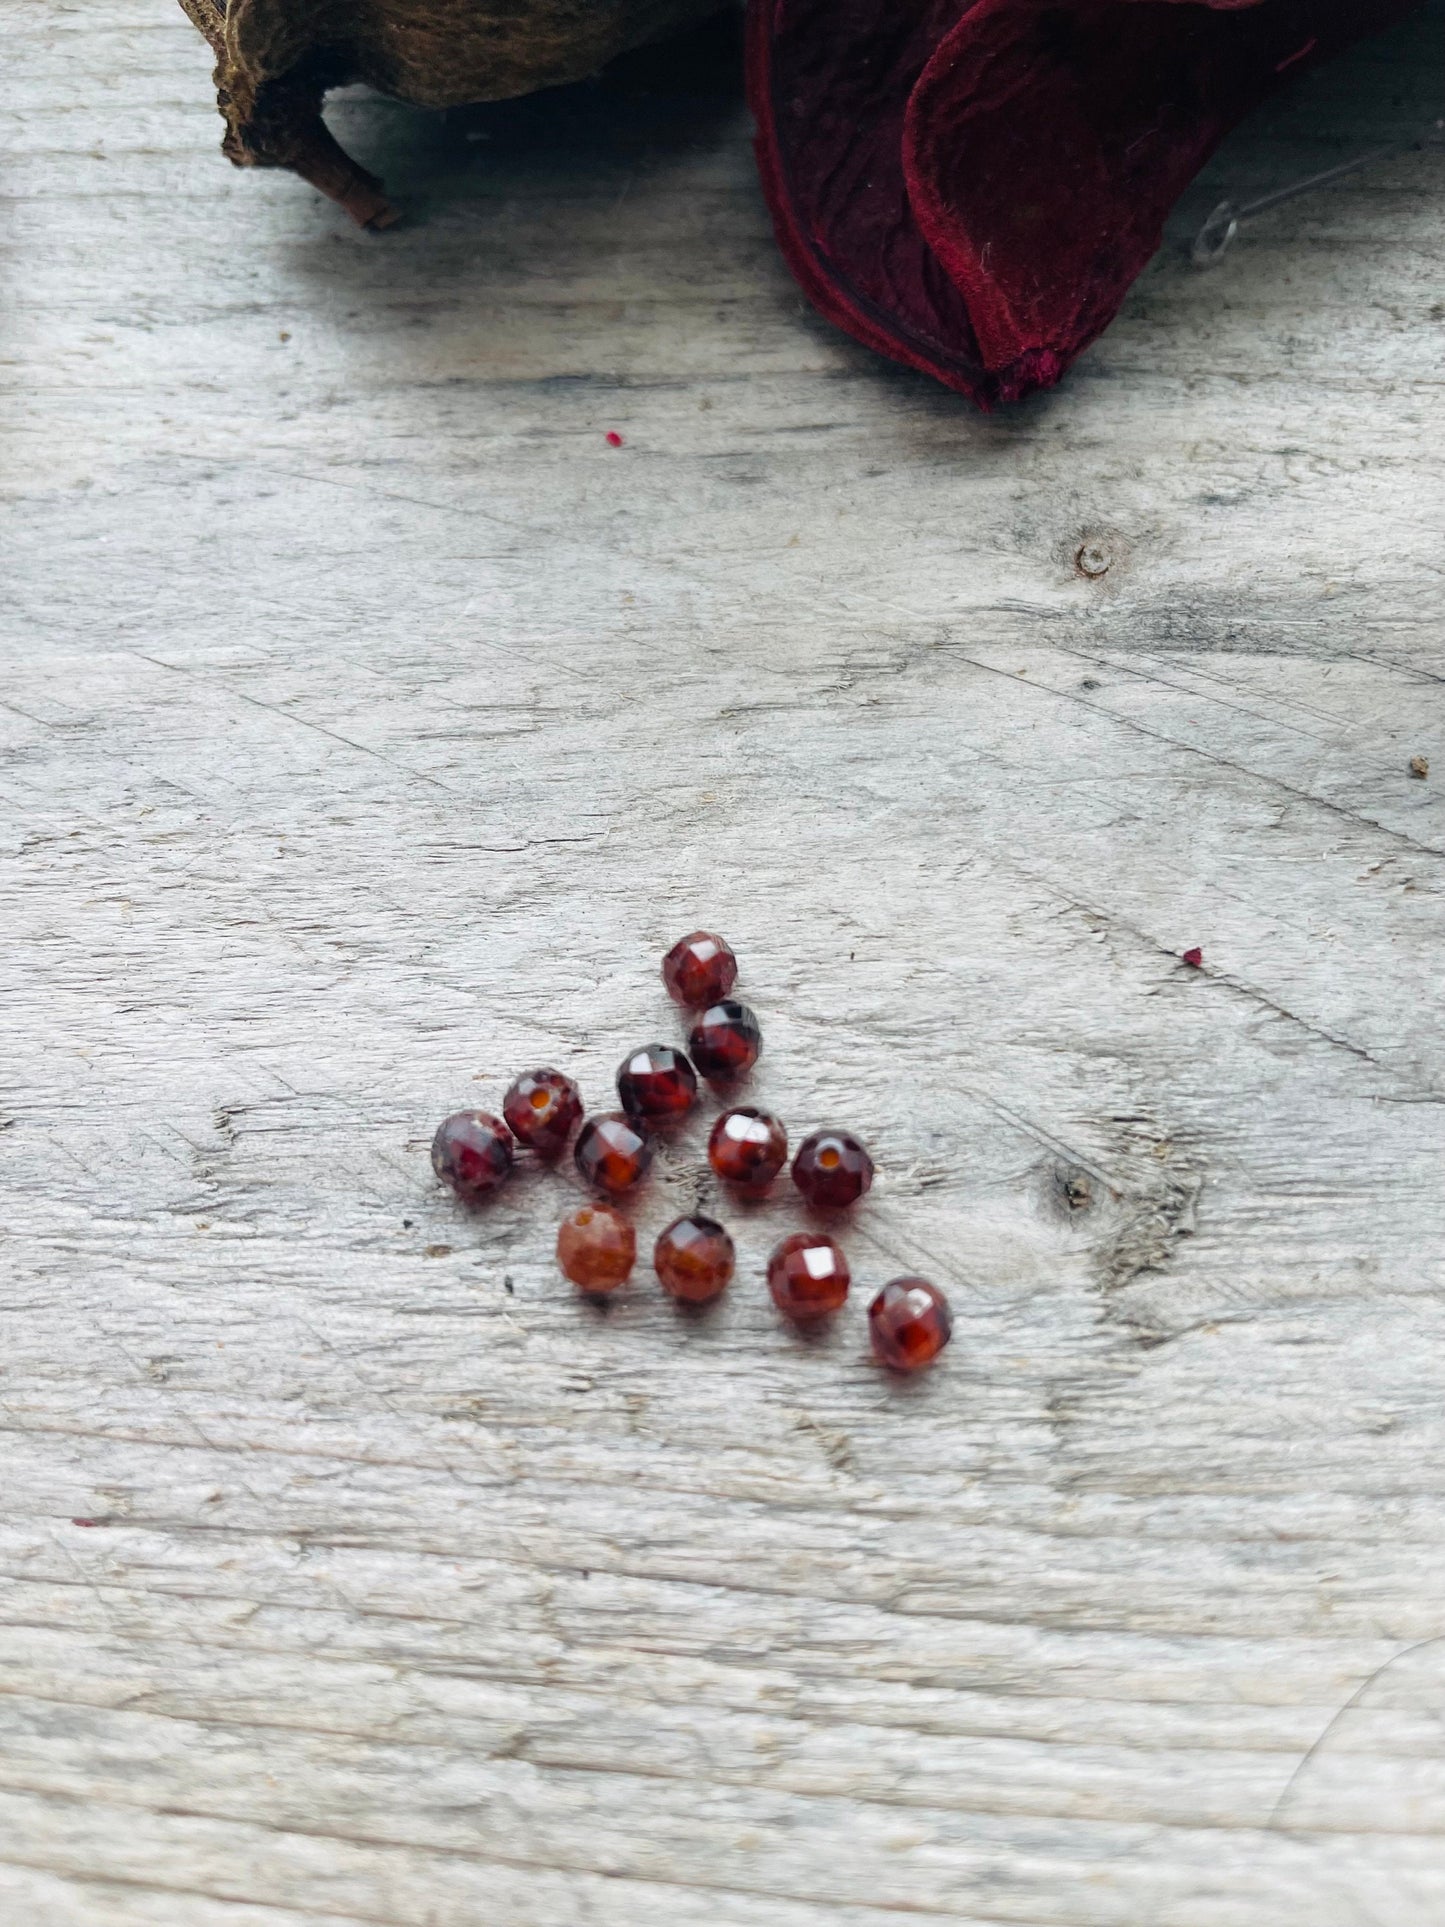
971 186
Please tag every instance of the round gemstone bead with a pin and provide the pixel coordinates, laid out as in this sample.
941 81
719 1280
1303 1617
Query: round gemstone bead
747 1148
808 1275
909 1323
832 1169
656 1082
613 1152
694 1259
541 1109
596 1248
699 970
472 1152
725 1040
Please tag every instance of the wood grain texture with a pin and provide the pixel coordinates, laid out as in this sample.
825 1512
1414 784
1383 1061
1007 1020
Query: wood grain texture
367 729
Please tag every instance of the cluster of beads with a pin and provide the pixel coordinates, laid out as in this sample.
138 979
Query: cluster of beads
694 1257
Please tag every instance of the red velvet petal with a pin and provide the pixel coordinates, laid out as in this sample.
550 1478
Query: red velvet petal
829 82
971 186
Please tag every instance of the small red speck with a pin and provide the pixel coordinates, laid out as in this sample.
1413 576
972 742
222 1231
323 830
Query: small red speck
85 1522
1194 958
614 440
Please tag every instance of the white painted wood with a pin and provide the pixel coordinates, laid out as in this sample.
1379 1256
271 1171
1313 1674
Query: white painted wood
369 727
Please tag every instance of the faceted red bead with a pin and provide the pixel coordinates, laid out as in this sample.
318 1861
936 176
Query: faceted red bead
808 1275
725 1040
541 1109
694 1259
656 1082
613 1152
699 970
472 1152
596 1248
747 1148
909 1323
832 1169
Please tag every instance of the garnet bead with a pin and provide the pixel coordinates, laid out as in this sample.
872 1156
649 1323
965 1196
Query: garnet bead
832 1169
808 1275
596 1248
613 1152
541 1109
656 1082
699 970
747 1148
725 1040
471 1152
909 1323
694 1259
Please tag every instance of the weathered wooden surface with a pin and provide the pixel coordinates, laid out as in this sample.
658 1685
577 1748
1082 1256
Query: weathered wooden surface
369 727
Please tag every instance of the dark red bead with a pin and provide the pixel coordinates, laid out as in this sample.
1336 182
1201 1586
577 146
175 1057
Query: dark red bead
613 1152
808 1275
596 1248
747 1148
909 1323
472 1152
694 1259
725 1040
541 1109
699 970
832 1169
656 1082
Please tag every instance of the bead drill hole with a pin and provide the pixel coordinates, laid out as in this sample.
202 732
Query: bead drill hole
540 1100
829 1159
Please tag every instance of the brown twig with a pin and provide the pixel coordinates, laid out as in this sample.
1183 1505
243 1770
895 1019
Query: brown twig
285 129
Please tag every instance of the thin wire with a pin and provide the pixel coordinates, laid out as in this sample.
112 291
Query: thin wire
1218 233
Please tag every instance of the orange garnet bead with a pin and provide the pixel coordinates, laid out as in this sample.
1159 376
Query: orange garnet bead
613 1152
808 1275
596 1248
694 1259
656 1082
909 1323
725 1040
541 1109
471 1152
832 1169
747 1148
699 970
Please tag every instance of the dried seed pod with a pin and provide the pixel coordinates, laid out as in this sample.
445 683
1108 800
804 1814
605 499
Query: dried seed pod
277 59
